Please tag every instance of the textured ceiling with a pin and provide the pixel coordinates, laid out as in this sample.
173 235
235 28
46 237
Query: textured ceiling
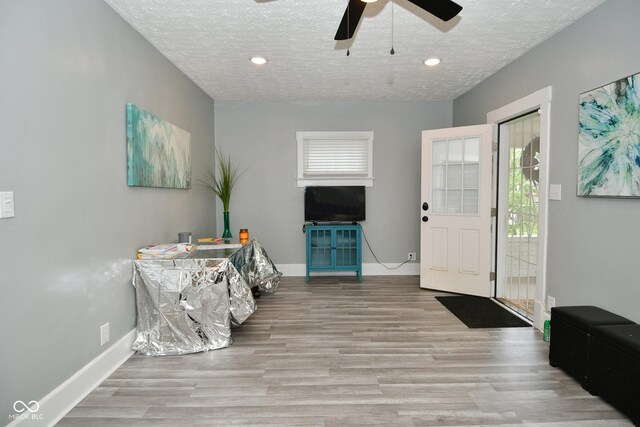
211 41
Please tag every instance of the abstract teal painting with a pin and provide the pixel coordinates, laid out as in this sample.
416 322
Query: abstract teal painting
609 140
158 153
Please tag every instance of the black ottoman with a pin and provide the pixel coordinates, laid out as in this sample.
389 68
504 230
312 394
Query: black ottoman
570 331
614 367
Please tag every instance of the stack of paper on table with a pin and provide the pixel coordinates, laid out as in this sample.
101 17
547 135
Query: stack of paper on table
165 250
220 246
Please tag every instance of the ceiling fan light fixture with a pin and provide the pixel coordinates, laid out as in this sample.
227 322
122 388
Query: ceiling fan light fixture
369 1
258 60
432 62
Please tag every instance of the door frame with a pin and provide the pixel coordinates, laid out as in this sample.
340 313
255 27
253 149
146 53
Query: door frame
541 101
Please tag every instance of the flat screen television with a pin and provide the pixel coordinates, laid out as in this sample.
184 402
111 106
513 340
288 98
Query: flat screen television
334 204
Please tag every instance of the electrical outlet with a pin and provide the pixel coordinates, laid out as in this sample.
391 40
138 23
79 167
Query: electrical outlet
104 334
411 256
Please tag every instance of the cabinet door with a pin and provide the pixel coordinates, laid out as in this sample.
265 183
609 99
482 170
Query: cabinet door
346 245
319 247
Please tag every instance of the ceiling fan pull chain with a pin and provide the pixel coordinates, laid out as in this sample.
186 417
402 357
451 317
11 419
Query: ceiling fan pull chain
392 51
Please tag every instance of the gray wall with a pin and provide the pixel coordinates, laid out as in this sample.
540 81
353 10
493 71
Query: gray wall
67 69
262 136
592 246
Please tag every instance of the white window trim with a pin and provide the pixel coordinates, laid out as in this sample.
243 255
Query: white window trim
303 181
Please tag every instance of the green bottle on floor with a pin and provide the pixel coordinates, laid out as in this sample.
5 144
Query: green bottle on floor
547 331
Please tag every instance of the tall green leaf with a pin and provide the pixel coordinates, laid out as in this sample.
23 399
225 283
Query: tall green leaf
223 182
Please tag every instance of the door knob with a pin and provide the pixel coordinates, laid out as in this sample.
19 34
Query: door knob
425 218
425 206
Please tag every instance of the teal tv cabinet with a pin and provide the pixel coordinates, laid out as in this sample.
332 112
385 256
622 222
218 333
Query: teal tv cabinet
334 247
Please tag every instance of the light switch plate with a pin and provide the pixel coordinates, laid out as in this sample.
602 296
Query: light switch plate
555 192
104 334
6 205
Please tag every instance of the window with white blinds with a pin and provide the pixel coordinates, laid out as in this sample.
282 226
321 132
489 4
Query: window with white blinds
335 158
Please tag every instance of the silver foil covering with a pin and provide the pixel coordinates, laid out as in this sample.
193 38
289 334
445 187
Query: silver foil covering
256 267
188 305
241 302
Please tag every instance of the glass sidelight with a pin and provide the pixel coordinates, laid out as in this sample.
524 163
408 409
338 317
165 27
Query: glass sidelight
517 287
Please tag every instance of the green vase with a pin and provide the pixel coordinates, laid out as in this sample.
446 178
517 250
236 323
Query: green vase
227 231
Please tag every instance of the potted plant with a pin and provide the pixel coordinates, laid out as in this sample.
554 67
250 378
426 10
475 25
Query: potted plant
222 185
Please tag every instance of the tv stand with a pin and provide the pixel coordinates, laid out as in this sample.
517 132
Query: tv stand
334 247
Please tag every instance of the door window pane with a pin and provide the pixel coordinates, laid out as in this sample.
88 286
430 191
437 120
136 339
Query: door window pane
472 150
439 177
439 152
470 201
455 150
439 204
471 178
454 176
454 201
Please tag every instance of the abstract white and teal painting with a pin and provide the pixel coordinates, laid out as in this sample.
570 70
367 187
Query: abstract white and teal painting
609 140
158 153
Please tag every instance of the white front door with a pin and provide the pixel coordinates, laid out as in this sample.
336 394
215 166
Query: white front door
455 236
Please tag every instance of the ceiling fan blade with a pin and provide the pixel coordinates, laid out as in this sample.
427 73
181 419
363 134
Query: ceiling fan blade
352 16
443 9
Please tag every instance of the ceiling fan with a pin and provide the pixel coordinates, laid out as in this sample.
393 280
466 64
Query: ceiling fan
443 9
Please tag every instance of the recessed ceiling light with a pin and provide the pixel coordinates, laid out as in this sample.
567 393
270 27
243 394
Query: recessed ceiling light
432 62
258 60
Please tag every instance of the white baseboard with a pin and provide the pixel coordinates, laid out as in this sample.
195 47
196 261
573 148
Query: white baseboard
408 269
368 269
67 395
539 315
292 270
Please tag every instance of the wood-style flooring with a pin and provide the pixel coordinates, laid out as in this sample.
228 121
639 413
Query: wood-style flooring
335 352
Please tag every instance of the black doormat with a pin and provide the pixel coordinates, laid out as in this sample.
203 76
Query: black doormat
478 312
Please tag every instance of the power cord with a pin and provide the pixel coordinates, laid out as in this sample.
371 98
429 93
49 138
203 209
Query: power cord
376 258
